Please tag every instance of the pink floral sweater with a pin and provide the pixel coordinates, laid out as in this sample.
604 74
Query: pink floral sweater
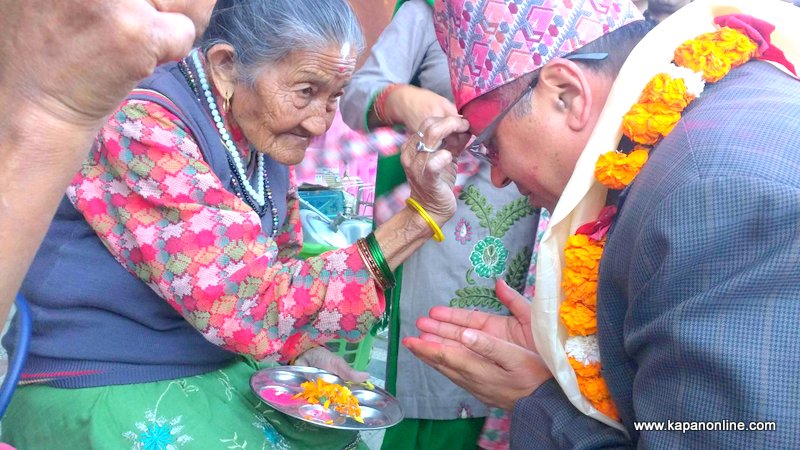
167 218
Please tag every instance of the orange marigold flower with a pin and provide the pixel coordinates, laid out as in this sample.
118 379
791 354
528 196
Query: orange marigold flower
594 388
570 279
615 170
579 277
578 318
607 407
647 123
584 291
715 54
668 91
331 394
592 370
736 44
582 251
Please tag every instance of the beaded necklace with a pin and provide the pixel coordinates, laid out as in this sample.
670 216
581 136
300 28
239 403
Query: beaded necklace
259 198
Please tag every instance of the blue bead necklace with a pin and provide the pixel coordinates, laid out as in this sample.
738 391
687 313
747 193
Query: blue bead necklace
259 198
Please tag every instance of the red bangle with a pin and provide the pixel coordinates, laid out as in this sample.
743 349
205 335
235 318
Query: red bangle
371 265
379 106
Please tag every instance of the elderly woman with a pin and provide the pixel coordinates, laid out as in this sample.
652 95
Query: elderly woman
174 251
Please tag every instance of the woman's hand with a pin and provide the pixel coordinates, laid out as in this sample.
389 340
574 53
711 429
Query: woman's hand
429 159
410 106
322 358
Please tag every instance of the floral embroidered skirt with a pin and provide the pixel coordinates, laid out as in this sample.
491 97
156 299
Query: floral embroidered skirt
213 410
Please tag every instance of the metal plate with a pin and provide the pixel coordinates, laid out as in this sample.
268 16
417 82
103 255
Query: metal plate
277 385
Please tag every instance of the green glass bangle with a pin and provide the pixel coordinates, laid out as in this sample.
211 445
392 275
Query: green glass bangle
377 254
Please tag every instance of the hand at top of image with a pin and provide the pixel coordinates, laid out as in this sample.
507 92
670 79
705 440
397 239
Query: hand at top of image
98 49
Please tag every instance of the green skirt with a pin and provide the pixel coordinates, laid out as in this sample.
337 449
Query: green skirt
423 434
213 410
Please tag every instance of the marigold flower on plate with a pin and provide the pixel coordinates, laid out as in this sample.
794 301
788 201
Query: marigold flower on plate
615 170
331 395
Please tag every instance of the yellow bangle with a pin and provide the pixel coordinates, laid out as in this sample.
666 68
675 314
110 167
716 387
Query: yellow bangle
438 236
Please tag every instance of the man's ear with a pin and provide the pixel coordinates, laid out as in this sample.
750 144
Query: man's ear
222 69
564 85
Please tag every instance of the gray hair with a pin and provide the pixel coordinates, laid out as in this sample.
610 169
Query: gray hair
266 31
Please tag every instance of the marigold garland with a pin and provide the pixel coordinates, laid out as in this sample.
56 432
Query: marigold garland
616 169
709 57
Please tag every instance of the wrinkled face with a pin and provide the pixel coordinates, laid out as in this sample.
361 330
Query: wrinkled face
536 150
293 101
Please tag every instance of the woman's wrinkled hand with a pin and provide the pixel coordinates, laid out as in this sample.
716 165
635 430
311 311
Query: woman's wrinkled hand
429 159
322 358
410 105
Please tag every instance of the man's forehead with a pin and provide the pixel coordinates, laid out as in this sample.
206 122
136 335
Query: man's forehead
481 111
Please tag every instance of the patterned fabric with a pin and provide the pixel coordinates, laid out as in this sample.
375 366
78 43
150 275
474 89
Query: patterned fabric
699 277
217 410
492 42
496 429
495 435
167 218
490 237
400 3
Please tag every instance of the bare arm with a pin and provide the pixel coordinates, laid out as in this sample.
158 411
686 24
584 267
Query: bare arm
66 65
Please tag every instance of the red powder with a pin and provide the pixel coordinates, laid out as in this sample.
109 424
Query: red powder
279 397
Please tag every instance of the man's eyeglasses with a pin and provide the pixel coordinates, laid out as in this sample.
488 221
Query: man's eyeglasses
477 145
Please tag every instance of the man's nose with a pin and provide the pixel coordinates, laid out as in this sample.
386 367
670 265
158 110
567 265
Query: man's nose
499 179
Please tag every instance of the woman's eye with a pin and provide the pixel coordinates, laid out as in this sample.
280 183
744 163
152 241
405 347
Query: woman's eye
309 91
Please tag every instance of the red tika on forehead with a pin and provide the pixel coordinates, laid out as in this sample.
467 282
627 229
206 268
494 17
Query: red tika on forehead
490 43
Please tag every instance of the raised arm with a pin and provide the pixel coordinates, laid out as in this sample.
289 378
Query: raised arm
66 65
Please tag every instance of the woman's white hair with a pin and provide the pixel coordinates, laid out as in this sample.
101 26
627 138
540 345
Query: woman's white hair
266 31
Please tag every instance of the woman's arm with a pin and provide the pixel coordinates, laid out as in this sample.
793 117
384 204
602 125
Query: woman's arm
65 66
395 58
